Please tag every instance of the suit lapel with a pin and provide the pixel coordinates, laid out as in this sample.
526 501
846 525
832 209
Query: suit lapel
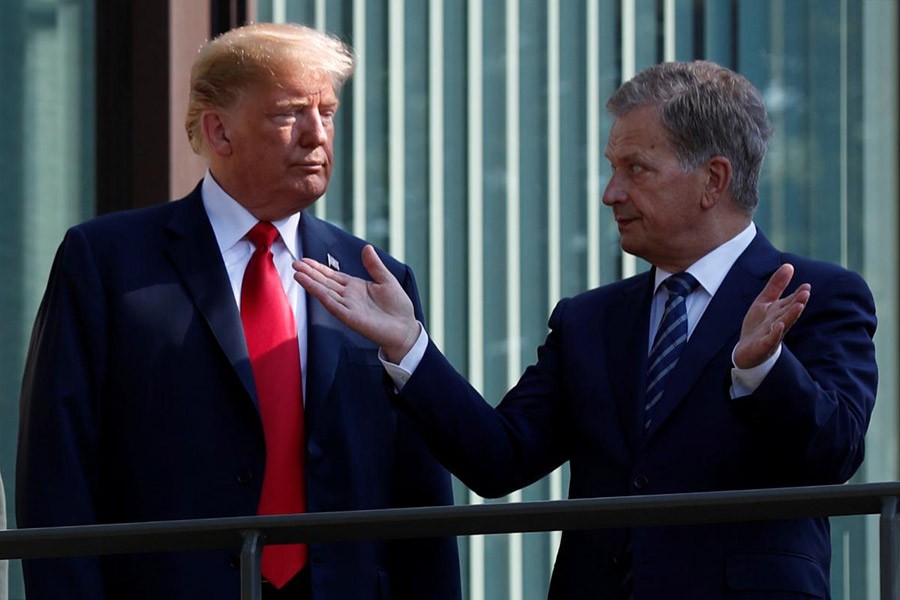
719 328
326 334
193 250
626 349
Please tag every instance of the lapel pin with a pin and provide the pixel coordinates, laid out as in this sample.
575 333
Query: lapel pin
333 262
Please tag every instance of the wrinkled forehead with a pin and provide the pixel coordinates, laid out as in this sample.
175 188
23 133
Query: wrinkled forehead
640 129
295 85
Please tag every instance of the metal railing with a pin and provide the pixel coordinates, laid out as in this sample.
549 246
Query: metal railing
251 533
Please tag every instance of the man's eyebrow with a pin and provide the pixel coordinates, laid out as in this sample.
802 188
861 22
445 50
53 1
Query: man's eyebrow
293 102
330 103
632 156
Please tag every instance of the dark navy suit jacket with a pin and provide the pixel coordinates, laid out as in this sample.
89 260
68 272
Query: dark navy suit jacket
580 403
138 404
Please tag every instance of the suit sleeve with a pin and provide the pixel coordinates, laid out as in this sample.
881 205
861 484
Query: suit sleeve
814 407
493 451
419 480
57 469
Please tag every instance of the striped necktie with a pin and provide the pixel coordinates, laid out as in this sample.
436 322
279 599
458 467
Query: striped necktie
670 340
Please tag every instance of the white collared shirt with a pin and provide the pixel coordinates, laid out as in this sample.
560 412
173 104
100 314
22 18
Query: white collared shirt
710 272
230 223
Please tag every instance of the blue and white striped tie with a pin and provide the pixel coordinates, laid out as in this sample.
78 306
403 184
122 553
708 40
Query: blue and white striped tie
670 340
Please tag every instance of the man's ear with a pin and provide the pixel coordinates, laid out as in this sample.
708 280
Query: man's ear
216 132
718 180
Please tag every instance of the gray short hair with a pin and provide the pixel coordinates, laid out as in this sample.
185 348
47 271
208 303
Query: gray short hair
253 55
709 110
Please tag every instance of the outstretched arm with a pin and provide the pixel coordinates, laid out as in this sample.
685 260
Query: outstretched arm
769 318
379 310
494 452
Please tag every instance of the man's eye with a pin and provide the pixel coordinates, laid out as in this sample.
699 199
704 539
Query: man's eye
635 169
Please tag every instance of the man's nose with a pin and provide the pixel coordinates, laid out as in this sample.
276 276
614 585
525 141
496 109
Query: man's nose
312 129
614 192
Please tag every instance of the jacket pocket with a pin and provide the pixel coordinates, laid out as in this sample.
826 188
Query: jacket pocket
775 572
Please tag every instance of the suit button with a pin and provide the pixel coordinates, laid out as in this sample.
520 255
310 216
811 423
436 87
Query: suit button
245 478
640 482
234 562
614 561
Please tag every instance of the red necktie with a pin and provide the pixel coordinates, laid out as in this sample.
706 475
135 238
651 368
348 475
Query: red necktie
271 335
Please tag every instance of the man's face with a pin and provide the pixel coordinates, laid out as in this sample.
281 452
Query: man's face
282 145
656 204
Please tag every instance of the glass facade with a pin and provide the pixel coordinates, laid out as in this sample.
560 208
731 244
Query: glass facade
470 144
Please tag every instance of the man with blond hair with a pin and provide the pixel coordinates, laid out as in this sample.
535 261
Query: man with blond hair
176 371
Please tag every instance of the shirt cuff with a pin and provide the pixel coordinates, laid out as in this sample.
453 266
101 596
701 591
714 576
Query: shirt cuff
745 381
401 373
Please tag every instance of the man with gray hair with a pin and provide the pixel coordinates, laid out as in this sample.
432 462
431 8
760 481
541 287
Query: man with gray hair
176 370
674 380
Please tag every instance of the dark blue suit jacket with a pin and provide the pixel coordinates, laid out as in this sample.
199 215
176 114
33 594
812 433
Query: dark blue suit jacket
580 403
138 404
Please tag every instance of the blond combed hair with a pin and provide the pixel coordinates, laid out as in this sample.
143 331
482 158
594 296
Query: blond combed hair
256 55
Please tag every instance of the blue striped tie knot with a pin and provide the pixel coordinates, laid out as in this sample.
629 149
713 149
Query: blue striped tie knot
670 339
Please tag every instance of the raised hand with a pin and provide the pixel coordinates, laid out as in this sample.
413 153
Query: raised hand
769 318
379 310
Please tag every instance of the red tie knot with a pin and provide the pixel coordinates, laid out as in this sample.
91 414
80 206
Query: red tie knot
262 235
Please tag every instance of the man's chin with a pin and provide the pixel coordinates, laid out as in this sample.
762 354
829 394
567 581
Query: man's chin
626 243
629 246
311 189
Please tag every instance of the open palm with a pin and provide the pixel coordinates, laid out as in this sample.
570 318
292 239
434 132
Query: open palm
379 310
769 318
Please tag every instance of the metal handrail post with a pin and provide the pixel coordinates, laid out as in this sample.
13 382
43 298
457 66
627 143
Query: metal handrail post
890 549
251 558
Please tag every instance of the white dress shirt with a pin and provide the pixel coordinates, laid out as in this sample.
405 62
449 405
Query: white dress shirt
231 222
709 271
